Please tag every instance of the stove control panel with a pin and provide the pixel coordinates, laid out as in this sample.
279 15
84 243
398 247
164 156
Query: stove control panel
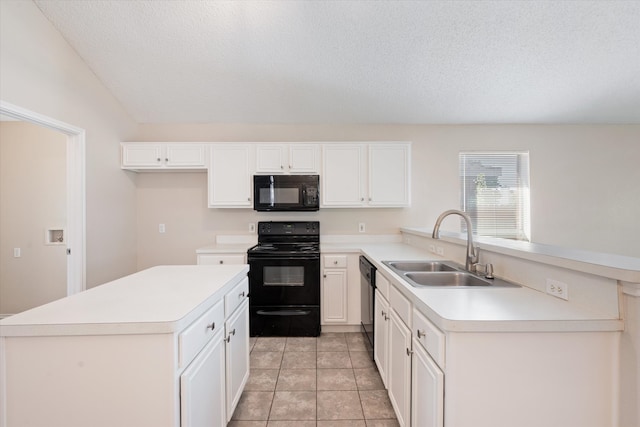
294 228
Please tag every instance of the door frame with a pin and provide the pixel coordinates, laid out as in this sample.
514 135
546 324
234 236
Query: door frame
76 207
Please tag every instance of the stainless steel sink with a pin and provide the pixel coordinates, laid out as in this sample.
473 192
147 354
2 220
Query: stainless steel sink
402 266
448 278
445 274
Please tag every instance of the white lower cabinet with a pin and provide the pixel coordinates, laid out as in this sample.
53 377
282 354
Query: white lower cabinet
334 289
202 387
210 387
414 381
399 375
427 390
237 355
381 333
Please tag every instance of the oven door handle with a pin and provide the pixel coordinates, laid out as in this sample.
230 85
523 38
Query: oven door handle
284 313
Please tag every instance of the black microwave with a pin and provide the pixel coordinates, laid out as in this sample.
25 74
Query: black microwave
286 192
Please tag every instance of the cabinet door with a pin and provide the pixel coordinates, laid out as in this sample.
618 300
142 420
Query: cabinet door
399 375
334 296
220 259
142 155
237 355
271 158
202 391
389 175
381 336
230 172
343 175
190 156
427 390
304 158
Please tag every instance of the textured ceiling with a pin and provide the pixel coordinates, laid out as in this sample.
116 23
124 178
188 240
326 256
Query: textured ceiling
361 61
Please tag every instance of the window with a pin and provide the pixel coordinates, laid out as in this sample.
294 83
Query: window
495 193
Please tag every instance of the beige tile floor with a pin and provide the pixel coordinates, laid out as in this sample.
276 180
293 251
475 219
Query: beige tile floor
329 381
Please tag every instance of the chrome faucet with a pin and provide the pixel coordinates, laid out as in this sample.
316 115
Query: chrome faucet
472 250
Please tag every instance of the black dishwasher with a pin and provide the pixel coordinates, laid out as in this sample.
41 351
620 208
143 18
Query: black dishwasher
367 297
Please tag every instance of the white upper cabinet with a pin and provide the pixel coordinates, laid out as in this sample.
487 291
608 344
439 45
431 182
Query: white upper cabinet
287 158
343 175
231 169
366 175
155 156
389 175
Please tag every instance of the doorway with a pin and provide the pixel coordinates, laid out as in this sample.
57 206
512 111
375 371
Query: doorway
74 229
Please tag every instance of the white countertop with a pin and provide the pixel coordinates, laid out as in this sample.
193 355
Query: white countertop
486 309
160 299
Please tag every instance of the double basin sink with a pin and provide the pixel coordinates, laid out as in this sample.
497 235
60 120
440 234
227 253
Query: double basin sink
447 274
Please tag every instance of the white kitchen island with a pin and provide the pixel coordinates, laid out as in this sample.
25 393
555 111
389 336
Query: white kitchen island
168 346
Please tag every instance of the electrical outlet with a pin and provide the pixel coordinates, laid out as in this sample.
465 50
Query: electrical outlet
440 250
17 253
161 228
361 227
558 289
432 249
252 227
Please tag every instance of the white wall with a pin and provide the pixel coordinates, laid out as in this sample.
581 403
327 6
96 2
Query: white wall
582 185
40 72
32 199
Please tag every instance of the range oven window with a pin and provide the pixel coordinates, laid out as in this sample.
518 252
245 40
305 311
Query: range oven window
283 276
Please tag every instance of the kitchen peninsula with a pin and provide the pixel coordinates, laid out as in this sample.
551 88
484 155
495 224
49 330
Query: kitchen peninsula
166 346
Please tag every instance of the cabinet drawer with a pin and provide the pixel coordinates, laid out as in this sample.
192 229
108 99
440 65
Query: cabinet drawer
235 296
382 284
335 261
400 304
206 259
431 338
196 336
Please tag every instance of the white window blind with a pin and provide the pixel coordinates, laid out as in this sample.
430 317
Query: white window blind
495 193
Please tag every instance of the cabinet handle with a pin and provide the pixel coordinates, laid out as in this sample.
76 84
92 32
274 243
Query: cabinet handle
248 199
362 199
229 336
281 167
241 296
159 159
421 334
409 352
211 326
221 262
369 198
335 262
166 159
324 275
